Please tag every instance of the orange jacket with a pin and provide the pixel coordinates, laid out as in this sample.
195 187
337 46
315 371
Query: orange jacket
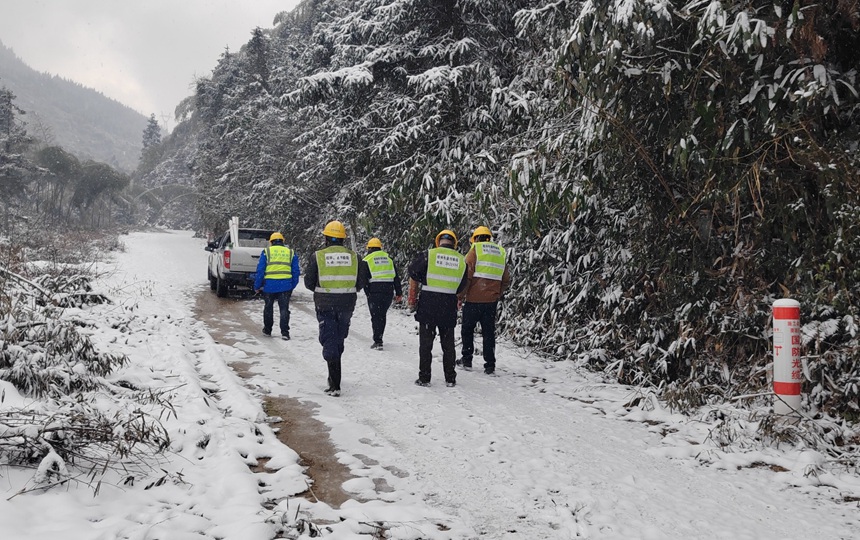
483 290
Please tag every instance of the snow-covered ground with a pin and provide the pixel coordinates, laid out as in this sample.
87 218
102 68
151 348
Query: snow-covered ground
538 451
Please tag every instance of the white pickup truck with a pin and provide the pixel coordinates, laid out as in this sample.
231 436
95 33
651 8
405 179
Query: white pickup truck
233 257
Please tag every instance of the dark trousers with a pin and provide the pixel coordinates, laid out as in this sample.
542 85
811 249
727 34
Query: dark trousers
378 305
484 313
426 335
283 299
334 329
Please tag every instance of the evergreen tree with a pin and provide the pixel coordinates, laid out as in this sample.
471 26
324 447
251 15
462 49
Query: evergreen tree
13 134
16 170
150 155
258 53
152 133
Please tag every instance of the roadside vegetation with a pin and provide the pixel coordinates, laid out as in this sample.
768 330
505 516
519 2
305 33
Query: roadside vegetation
61 417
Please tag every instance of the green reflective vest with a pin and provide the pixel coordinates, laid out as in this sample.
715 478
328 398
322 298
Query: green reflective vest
279 262
338 270
381 267
489 260
445 269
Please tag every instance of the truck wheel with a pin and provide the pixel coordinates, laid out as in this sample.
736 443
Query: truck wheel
213 283
221 288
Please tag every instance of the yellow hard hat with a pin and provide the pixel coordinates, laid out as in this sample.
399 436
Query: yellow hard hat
334 229
276 236
481 231
446 232
374 243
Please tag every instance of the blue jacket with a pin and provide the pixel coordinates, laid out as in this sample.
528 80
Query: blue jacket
276 285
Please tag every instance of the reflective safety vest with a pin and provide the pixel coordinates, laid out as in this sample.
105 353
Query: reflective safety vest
279 262
381 267
489 260
445 269
338 270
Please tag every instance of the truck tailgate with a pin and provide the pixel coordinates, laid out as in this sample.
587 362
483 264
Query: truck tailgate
244 259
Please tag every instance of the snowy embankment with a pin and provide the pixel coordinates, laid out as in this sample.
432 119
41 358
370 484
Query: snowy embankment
538 451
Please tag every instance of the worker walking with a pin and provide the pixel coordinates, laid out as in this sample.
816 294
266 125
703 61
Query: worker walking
441 273
277 275
332 274
383 282
488 278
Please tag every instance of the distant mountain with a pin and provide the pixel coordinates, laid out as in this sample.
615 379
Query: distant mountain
82 120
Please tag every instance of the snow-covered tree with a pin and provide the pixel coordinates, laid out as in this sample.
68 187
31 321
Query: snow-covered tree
151 151
16 170
411 114
258 53
152 133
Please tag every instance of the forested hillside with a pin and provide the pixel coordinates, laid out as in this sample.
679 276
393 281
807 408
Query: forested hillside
661 172
46 192
81 120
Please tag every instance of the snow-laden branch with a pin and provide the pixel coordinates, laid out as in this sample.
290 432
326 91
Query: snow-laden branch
24 281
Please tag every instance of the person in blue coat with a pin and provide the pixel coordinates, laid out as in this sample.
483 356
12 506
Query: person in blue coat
277 276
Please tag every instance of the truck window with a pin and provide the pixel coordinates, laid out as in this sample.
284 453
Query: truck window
254 235
254 238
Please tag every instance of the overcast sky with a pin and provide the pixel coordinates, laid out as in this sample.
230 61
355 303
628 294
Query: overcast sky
143 53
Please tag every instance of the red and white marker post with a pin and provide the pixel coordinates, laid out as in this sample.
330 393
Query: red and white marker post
787 368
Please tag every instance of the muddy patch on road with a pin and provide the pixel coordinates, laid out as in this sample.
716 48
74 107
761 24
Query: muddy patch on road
309 438
298 428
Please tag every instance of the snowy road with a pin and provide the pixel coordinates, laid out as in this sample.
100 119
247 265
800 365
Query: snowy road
538 451
529 453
